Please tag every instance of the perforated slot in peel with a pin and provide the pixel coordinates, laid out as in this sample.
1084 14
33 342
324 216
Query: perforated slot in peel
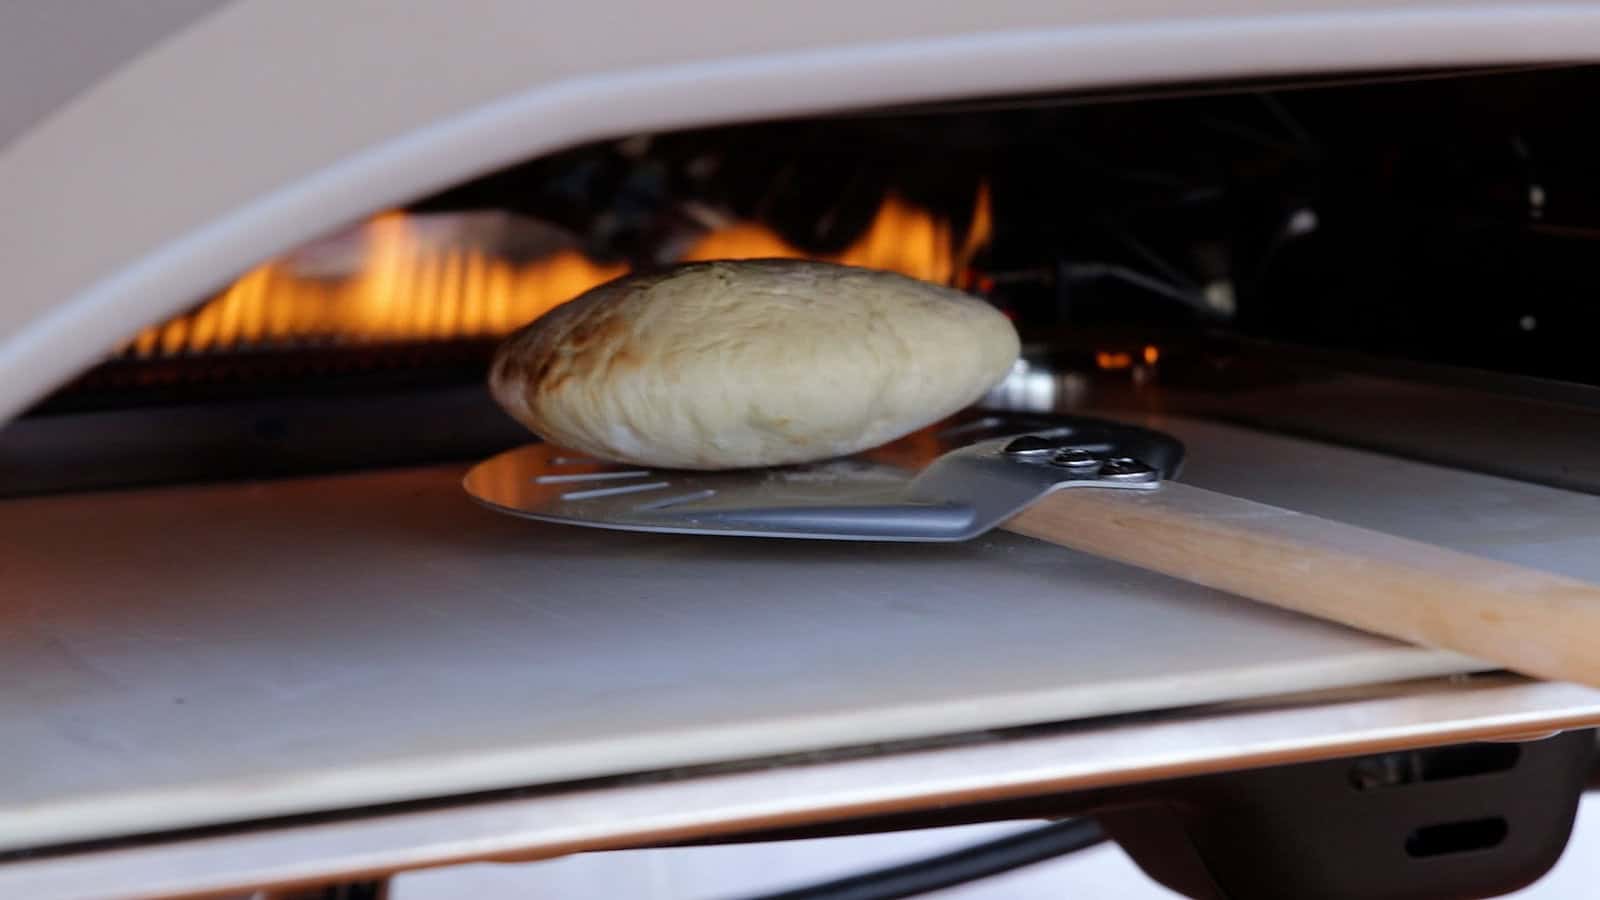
1456 837
613 491
983 424
590 476
667 502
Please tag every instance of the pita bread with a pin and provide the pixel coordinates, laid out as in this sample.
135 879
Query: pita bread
752 363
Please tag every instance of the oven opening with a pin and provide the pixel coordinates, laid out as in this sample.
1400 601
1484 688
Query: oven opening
1378 261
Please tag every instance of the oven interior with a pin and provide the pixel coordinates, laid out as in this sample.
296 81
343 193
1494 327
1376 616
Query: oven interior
1384 261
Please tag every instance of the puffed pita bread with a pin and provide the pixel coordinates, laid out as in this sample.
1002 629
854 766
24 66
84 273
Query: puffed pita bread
724 365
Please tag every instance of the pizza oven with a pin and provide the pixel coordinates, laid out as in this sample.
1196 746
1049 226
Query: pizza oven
1345 255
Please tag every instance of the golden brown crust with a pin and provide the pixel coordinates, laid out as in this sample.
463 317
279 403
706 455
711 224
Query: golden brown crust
588 335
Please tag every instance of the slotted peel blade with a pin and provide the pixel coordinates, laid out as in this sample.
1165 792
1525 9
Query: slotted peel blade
949 482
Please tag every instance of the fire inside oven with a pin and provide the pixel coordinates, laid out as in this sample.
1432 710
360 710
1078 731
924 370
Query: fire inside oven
1172 248
440 277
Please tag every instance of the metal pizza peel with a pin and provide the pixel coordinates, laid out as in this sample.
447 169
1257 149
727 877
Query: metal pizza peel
949 482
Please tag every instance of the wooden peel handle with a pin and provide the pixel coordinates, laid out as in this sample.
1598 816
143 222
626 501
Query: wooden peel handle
1532 622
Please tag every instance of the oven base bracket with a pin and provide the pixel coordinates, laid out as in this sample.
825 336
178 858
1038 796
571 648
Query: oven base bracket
1446 823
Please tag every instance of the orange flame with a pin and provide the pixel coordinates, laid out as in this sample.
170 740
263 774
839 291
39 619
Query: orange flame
902 238
1112 360
407 289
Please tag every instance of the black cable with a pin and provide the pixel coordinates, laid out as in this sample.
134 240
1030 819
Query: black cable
955 867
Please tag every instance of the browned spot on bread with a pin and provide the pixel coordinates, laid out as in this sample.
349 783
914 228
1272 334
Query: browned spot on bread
540 372
590 344
500 373
625 360
583 335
